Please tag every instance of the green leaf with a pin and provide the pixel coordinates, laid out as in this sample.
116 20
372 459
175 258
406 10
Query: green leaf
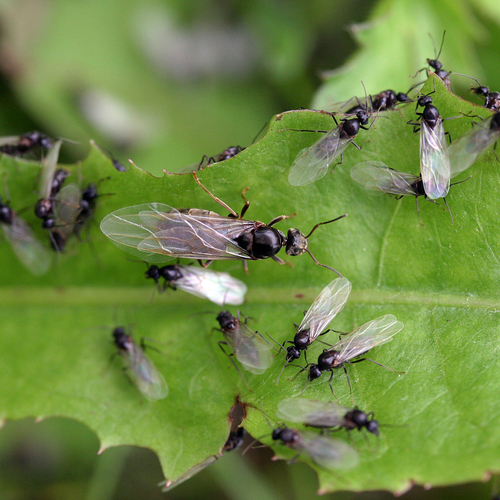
439 279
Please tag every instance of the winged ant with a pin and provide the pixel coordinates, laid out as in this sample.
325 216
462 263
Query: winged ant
156 232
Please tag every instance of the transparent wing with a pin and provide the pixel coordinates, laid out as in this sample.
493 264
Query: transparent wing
144 374
10 139
434 161
220 288
328 452
377 176
327 305
67 206
250 348
366 337
48 167
312 412
30 252
156 232
464 151
312 163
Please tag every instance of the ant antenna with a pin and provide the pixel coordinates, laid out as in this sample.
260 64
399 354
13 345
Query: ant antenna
434 45
323 265
322 223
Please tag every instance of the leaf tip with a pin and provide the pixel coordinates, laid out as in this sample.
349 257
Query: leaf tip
102 449
405 489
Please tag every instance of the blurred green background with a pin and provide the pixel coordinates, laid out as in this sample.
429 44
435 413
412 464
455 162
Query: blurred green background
164 82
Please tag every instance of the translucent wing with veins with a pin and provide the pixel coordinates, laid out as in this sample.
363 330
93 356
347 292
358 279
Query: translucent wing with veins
366 337
144 373
464 151
249 347
220 288
434 161
312 163
377 176
32 254
327 452
327 305
67 206
48 168
312 412
156 233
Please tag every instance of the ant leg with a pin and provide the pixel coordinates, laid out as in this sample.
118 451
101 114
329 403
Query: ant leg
348 383
221 342
208 160
246 205
217 200
280 218
448 207
281 261
302 130
331 388
204 264
375 362
245 267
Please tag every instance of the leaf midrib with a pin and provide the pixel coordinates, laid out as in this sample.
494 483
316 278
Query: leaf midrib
53 296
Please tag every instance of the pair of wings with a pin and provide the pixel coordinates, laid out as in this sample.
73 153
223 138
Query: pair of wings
312 163
325 451
377 176
143 372
48 167
220 288
434 160
372 334
249 347
326 306
30 252
67 207
312 412
156 232
464 151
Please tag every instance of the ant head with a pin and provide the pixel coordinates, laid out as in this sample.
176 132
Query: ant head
121 338
362 116
293 353
226 320
170 273
90 193
5 214
314 372
285 435
424 100
296 243
481 90
401 97
434 63
372 426
153 272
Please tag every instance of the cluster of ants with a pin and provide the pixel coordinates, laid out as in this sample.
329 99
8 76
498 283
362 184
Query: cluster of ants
64 208
156 232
